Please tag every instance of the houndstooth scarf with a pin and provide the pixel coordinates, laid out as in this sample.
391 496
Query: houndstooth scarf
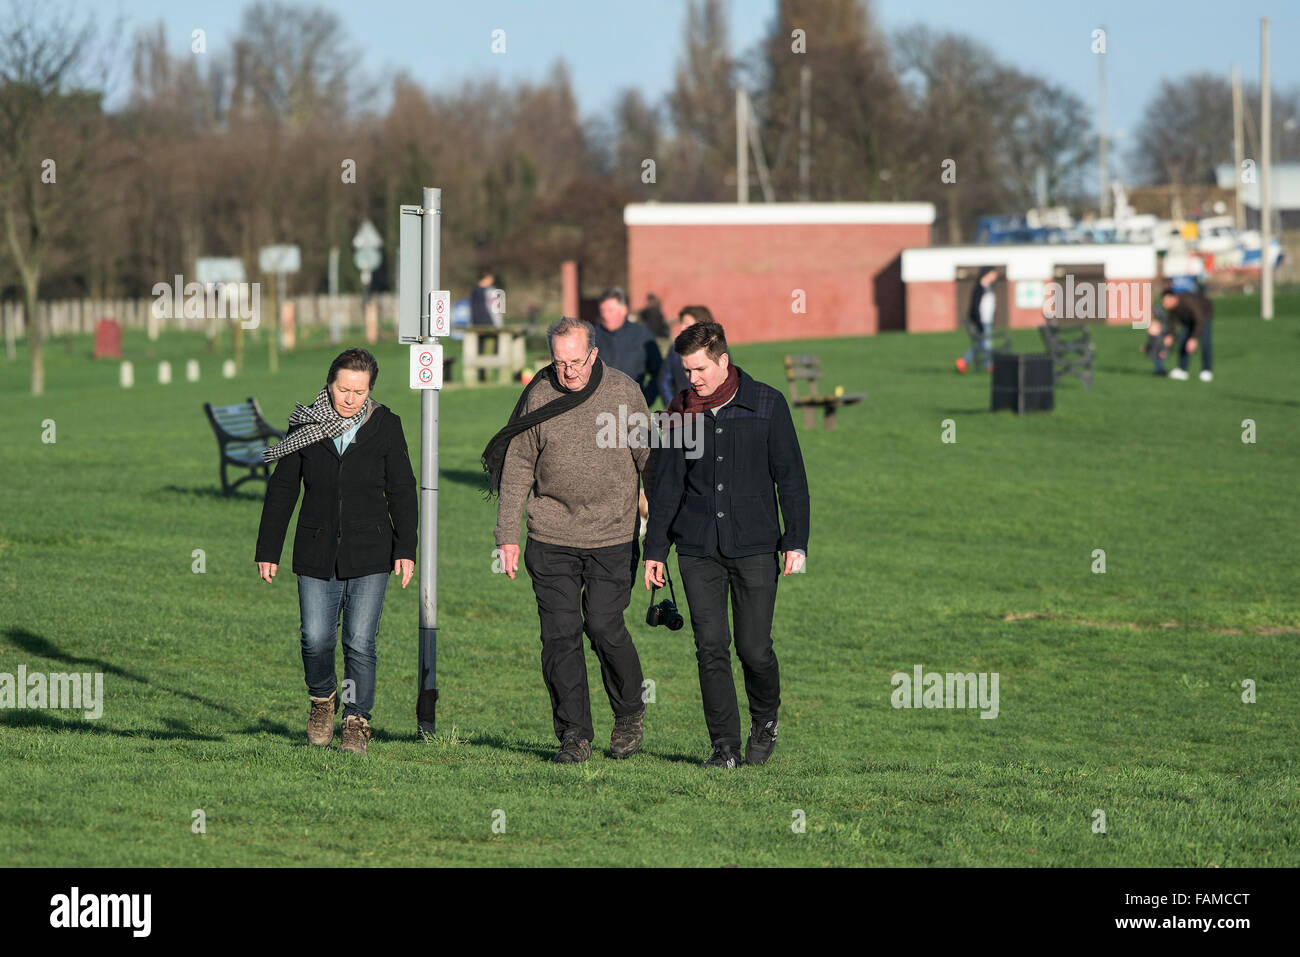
311 423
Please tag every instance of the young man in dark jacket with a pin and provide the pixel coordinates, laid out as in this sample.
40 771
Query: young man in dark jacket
626 346
672 377
716 498
1195 313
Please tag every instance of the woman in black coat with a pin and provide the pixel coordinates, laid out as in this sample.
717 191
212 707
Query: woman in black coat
357 525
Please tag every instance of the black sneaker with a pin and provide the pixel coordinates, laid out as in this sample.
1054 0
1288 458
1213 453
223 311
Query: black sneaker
723 757
573 749
762 741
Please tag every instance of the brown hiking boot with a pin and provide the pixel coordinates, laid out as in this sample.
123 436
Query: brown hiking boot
320 723
573 749
625 739
356 734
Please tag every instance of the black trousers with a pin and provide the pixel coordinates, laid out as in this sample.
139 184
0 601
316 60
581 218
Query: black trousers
751 583
584 590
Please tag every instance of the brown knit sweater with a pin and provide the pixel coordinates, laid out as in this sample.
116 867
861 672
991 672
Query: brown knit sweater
578 494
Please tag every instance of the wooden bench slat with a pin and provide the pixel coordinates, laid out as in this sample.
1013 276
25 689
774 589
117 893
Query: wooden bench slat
807 368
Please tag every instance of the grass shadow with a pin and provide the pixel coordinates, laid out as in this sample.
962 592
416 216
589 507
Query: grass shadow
42 647
475 479
212 492
502 744
45 720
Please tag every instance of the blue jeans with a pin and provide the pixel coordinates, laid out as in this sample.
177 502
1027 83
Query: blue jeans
984 344
1204 346
360 601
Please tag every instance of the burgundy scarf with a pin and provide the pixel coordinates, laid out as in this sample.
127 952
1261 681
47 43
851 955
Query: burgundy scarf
690 402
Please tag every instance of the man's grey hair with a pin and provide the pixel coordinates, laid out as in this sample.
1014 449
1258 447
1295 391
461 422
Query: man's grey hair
566 326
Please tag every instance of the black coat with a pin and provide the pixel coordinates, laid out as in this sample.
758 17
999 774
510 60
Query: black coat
727 498
359 508
632 350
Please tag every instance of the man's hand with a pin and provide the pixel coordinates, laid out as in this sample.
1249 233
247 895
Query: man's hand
1191 346
404 567
793 563
654 574
1169 340
266 571
510 559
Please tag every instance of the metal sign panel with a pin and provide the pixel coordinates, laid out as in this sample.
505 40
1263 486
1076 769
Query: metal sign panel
215 269
279 259
408 275
426 366
440 312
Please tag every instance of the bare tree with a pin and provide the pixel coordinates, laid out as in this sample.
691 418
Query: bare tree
292 64
858 114
52 131
702 108
1186 129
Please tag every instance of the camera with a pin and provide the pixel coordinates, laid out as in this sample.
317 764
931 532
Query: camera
665 613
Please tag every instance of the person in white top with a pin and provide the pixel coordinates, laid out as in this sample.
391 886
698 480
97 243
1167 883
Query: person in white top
983 307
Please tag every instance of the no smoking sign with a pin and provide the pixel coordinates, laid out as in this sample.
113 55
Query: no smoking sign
426 366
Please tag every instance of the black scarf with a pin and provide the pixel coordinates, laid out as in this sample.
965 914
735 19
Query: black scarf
494 455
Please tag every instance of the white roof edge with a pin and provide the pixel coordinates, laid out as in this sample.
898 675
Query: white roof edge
777 214
1031 261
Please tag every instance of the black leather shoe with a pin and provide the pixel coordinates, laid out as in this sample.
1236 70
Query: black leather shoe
723 757
762 741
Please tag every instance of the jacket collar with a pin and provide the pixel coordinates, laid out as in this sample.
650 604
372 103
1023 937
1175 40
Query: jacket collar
746 392
366 430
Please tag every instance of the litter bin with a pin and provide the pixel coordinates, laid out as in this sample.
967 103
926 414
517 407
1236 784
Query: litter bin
1022 382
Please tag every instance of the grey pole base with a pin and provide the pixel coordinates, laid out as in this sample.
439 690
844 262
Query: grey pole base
426 701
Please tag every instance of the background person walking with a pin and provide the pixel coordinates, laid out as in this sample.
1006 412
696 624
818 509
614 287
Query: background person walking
980 315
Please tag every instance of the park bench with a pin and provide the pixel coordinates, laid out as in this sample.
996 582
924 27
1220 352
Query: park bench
1071 350
241 433
809 369
506 360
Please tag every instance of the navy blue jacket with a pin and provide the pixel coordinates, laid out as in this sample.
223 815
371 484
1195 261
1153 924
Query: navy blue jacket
633 351
360 508
727 498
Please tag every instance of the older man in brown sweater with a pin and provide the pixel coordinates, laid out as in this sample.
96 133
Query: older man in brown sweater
577 444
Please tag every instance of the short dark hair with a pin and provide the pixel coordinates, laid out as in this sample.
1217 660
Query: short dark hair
613 292
484 272
703 335
357 360
698 313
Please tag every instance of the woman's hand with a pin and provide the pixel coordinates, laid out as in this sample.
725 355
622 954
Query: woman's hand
404 567
266 570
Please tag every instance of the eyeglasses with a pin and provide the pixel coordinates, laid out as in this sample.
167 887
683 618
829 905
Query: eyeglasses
566 366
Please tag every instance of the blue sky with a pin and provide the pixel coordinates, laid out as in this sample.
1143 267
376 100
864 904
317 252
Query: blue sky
612 44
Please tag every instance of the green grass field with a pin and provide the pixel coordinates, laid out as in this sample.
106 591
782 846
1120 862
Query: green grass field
1118 691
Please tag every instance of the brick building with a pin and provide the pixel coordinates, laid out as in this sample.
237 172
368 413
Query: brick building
939 281
772 271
